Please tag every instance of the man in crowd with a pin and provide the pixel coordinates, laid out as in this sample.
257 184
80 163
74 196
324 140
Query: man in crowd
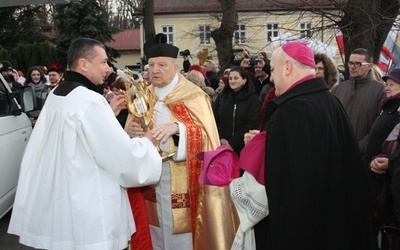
78 163
360 95
6 68
314 178
211 73
262 84
185 124
55 73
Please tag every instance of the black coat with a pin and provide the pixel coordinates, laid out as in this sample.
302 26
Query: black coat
213 79
382 127
236 114
314 176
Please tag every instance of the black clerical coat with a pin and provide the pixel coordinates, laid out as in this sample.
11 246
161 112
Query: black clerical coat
314 177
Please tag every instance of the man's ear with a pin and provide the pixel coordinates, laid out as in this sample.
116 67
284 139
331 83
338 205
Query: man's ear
82 64
288 67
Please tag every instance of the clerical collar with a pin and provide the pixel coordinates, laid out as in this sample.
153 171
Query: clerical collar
164 91
73 80
77 77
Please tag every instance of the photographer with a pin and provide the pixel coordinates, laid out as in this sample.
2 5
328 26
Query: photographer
186 62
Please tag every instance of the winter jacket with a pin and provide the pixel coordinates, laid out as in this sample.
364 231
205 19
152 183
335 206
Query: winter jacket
236 113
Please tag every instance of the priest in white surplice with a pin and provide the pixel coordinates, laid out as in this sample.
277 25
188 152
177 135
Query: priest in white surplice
71 191
183 214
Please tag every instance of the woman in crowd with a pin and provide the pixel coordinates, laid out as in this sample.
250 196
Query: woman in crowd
35 77
221 85
326 68
236 109
376 156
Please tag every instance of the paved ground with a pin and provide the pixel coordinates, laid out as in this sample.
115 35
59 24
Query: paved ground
8 241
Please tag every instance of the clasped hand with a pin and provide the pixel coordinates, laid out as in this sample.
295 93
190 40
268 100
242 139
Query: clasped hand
159 133
379 165
250 135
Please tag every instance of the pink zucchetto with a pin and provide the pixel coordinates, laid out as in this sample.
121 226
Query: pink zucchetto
300 52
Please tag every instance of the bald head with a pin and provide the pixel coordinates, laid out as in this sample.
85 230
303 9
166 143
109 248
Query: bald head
285 70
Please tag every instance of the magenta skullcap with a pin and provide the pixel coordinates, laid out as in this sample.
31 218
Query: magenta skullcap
300 52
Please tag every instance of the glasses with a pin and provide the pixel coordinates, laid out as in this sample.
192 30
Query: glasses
357 64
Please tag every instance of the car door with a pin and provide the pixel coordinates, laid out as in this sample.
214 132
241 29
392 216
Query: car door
15 130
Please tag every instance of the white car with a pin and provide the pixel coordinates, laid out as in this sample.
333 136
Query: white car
15 130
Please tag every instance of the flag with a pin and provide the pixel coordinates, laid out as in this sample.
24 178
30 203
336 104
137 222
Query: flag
339 40
396 50
386 59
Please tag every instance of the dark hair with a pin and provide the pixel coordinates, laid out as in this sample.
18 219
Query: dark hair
29 77
243 74
363 52
82 48
318 59
264 55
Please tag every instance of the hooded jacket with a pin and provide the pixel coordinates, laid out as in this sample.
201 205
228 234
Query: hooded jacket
236 113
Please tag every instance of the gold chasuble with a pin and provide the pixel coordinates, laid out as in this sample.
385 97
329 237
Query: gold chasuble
206 211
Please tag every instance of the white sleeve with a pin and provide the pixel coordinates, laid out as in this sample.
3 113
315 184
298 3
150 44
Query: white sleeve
131 162
181 149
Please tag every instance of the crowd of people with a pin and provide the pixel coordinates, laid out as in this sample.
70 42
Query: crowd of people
40 78
113 161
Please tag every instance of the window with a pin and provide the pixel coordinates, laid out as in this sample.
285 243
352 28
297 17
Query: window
240 34
305 30
205 33
168 30
272 30
4 102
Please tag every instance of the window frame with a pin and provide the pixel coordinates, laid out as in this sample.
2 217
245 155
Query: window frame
240 33
305 32
205 33
272 30
170 34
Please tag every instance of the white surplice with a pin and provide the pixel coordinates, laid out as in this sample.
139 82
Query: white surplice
71 191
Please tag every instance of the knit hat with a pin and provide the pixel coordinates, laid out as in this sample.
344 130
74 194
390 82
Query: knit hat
300 52
55 67
5 65
158 47
394 75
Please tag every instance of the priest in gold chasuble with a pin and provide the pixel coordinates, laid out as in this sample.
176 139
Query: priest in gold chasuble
182 213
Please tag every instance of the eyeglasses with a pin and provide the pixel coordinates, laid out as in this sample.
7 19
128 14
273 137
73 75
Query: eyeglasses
357 64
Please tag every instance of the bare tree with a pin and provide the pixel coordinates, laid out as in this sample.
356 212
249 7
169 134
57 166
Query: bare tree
364 23
144 9
223 35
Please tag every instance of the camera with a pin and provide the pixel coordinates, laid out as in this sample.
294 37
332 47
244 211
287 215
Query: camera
253 61
186 52
9 78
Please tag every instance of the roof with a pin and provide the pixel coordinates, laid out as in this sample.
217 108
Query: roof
128 39
196 6
6 3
